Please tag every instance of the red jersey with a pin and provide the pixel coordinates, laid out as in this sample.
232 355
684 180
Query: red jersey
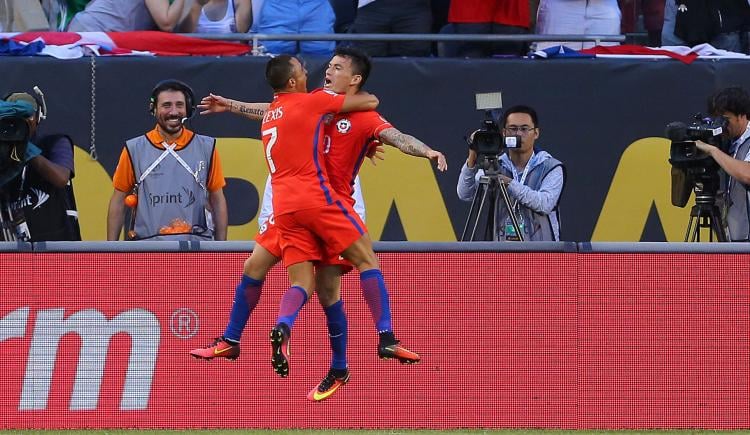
292 132
347 139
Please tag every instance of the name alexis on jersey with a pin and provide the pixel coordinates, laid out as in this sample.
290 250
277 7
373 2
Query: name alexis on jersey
274 114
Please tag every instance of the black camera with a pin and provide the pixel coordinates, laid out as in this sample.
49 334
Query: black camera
14 137
14 129
691 167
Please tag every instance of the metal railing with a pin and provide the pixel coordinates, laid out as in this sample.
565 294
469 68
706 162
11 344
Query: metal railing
255 38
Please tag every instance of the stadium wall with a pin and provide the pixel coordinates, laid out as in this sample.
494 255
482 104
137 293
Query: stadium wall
512 335
604 118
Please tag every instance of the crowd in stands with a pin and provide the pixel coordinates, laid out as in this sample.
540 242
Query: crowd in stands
725 24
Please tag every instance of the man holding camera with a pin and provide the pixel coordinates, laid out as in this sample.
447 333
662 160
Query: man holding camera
36 194
733 104
534 180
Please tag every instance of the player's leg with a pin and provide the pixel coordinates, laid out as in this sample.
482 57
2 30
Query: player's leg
246 297
345 233
302 279
299 248
375 293
328 287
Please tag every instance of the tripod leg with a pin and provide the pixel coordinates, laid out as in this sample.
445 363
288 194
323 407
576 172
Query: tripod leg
688 233
716 226
473 214
490 229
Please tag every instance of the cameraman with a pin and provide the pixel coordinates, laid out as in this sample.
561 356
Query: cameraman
534 178
733 104
36 194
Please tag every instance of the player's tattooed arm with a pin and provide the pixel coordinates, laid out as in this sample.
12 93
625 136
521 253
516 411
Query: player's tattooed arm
254 111
406 143
409 144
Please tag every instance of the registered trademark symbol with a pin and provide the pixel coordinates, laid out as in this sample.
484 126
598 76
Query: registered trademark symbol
184 323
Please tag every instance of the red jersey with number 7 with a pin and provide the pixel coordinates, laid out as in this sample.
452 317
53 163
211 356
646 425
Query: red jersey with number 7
292 133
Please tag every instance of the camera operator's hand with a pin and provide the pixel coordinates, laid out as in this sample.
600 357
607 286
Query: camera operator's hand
736 168
471 161
706 148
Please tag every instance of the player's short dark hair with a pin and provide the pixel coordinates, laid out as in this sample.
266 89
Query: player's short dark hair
733 99
361 63
520 109
279 71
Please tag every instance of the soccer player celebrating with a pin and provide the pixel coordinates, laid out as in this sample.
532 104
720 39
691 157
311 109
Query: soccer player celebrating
348 136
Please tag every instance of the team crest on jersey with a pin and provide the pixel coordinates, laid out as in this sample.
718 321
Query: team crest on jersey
344 125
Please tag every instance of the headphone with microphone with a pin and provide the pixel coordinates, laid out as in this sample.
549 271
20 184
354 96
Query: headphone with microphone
41 105
173 85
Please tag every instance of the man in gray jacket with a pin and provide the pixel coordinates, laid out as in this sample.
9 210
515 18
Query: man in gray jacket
734 104
534 180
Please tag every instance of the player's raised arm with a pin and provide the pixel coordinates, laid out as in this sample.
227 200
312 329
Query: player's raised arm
218 104
409 144
360 102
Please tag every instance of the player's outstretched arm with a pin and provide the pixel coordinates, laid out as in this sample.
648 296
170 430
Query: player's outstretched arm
411 145
218 104
360 102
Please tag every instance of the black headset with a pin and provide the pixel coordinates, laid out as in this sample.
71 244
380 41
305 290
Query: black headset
41 105
178 85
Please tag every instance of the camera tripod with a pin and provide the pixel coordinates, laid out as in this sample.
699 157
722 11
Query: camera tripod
705 214
486 201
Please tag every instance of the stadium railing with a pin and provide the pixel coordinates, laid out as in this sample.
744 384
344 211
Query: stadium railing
254 38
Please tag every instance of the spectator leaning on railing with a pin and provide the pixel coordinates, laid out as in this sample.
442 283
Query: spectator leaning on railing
720 23
577 17
295 17
219 16
127 15
509 17
393 16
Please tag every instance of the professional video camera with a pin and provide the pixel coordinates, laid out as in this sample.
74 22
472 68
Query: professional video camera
14 136
489 142
695 170
691 167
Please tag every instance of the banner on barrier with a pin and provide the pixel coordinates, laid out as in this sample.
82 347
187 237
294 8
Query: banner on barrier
543 340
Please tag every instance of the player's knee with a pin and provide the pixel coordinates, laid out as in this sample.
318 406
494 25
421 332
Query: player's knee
254 268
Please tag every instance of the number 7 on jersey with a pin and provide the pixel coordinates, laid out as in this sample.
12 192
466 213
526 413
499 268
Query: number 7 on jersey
271 142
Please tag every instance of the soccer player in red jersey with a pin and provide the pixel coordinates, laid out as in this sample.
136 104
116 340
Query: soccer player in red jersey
346 142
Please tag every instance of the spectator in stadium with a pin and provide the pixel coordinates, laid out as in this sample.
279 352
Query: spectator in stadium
218 16
345 11
127 15
393 16
721 23
170 177
577 17
733 103
297 17
37 200
652 14
534 179
60 12
507 17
